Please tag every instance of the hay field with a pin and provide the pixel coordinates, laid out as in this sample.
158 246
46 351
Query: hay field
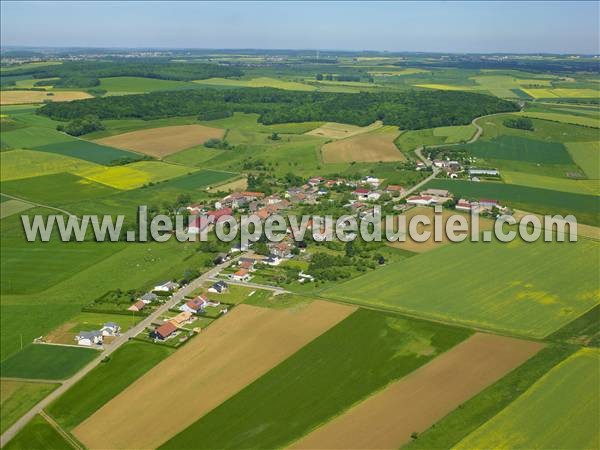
590 187
22 97
519 288
229 355
159 142
417 401
366 147
333 130
559 411
421 247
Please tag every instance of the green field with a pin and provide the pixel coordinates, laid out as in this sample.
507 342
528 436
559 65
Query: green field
47 362
475 412
194 157
18 164
455 134
130 85
588 187
10 207
38 435
58 188
587 156
512 287
89 151
249 122
585 207
521 149
106 381
18 397
559 411
344 365
566 118
30 137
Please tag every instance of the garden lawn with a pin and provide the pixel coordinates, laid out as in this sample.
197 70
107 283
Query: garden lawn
516 287
344 365
47 362
107 380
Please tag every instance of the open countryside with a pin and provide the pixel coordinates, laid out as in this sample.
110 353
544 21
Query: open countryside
199 111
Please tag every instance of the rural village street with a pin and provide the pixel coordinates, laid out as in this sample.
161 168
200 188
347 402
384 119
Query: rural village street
122 339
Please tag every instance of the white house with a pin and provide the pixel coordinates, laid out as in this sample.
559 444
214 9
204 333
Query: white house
110 329
195 305
373 181
89 338
167 286
241 275
421 200
219 287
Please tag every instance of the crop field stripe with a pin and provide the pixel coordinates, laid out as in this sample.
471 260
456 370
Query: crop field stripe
231 353
343 366
559 411
417 401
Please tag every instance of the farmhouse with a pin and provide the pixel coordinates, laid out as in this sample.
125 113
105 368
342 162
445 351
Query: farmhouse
421 200
241 275
465 205
137 306
164 331
89 338
195 306
437 193
216 215
281 249
167 286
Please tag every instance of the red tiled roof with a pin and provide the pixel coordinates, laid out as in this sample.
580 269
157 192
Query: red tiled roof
166 329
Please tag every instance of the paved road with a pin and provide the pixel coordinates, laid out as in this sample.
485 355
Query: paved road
176 298
275 289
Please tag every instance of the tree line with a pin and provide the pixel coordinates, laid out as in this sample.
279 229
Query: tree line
408 110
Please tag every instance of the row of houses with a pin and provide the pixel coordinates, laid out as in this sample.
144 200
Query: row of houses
168 287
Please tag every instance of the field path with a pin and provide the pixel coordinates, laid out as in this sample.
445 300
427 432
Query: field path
67 437
414 403
122 339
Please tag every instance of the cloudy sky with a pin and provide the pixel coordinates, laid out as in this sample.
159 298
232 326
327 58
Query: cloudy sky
556 27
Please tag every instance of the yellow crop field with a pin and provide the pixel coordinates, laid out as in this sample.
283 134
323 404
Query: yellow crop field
562 93
22 97
443 87
133 175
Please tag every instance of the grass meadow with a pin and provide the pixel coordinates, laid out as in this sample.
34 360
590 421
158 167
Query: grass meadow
347 363
558 411
38 434
104 382
17 397
47 362
518 288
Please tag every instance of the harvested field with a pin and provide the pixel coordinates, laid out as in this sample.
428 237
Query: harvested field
417 401
334 130
22 97
240 184
204 373
420 247
163 141
366 147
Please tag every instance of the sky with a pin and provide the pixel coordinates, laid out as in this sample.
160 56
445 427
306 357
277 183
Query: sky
457 27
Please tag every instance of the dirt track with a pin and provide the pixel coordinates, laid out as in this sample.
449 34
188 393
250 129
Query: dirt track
163 141
231 353
414 403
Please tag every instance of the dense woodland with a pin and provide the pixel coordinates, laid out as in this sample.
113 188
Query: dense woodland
409 110
164 70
